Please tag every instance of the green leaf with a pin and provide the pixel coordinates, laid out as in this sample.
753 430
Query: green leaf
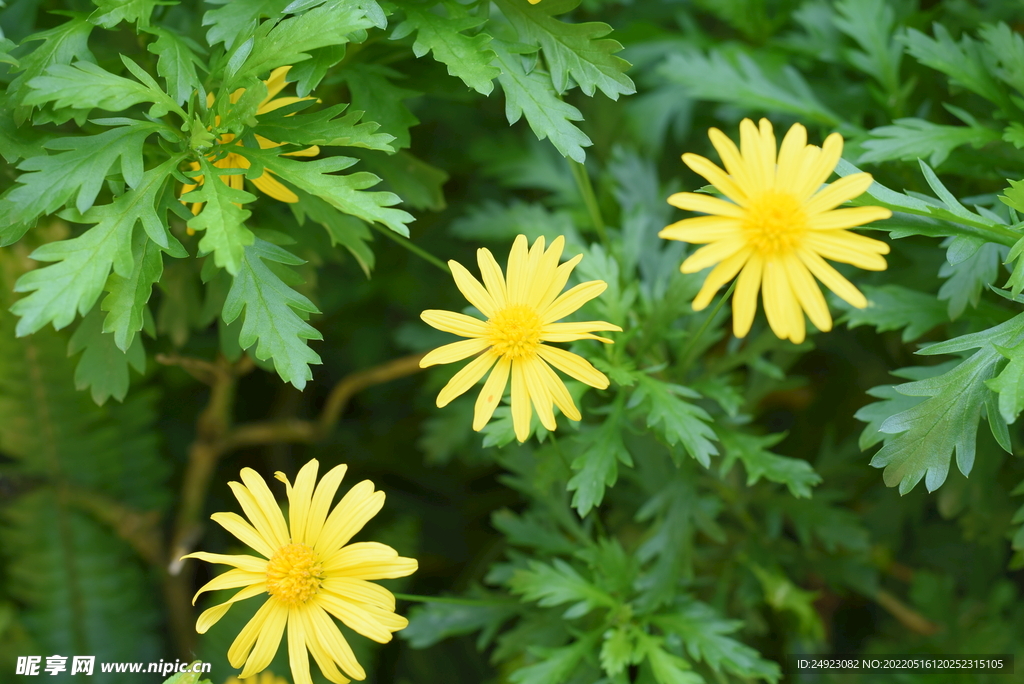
666 667
128 296
237 19
912 139
870 23
704 634
963 63
436 622
1009 384
342 192
573 52
966 280
73 284
467 57
676 419
103 368
492 221
555 664
741 81
84 85
419 184
892 402
835 526
796 473
62 44
891 307
290 40
926 434
110 13
177 59
347 231
222 217
558 584
323 128
618 650
79 172
597 466
781 594
270 313
1006 47
533 94
372 91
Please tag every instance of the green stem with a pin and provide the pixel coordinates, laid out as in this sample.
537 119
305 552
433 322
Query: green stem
579 173
415 249
692 347
446 599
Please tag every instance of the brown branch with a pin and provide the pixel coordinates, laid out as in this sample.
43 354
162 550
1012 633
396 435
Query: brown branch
141 529
906 615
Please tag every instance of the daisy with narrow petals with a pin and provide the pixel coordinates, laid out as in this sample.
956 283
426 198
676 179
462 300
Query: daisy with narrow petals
776 228
522 308
266 183
308 571
265 677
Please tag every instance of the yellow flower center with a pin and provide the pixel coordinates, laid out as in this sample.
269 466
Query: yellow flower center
294 574
775 223
515 332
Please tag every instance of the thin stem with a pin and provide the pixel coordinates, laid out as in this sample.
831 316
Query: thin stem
579 173
692 348
446 599
415 249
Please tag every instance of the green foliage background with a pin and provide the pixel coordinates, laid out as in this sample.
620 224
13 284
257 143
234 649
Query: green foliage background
716 508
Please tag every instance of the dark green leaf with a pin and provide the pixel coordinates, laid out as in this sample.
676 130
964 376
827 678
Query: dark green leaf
103 368
597 466
676 419
891 307
797 474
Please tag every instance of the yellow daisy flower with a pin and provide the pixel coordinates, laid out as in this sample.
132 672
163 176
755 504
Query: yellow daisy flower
521 309
309 572
265 183
779 224
266 677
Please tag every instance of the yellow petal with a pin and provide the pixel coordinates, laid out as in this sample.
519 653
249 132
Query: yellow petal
354 616
712 254
570 332
546 272
247 563
559 394
268 505
716 176
465 378
311 151
298 661
521 412
472 290
807 293
459 324
848 248
368 561
557 282
276 82
321 503
703 229
335 643
456 351
242 644
494 281
758 150
490 395
355 509
735 164
211 616
573 365
515 272
572 300
820 168
232 579
846 188
299 498
719 276
692 201
847 218
832 279
780 304
744 301
317 646
268 641
539 394
244 532
791 157
280 102
271 187
360 590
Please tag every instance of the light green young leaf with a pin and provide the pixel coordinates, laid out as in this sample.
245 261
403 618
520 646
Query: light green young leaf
419 184
372 90
870 23
573 52
533 94
797 474
272 318
555 664
233 23
618 650
323 128
784 596
597 465
911 139
704 635
128 296
103 368
666 667
84 85
467 57
947 420
342 192
741 81
1009 384
290 40
222 217
177 59
558 584
73 284
63 44
676 419
963 63
110 13
344 230
1006 47
893 402
891 307
79 172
